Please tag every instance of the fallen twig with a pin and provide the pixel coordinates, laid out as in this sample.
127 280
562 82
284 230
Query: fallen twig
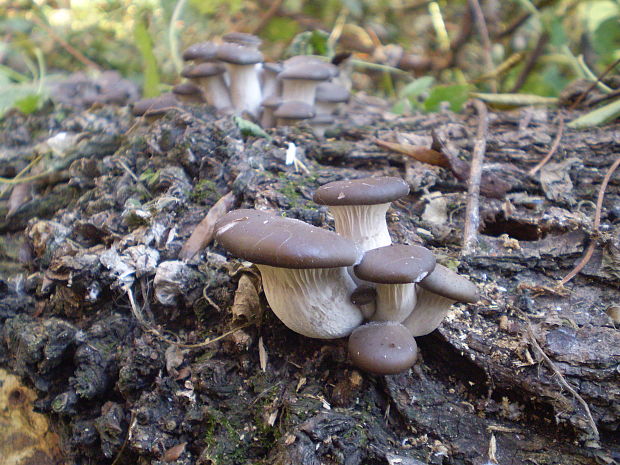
419 153
597 222
472 213
203 233
553 149
558 373
484 36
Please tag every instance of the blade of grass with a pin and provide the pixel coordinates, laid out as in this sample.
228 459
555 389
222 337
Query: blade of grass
144 43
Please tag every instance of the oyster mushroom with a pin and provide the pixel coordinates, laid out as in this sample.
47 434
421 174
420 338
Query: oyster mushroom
359 207
395 269
304 270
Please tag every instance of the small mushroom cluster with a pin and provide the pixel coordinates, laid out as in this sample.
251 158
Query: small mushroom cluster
324 284
232 77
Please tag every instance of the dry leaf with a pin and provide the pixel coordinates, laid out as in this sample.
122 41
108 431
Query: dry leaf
423 154
203 234
174 358
246 304
20 194
174 452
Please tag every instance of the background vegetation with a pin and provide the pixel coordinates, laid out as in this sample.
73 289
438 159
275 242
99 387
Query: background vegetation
521 46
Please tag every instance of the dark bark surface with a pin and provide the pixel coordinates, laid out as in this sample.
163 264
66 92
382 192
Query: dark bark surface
93 296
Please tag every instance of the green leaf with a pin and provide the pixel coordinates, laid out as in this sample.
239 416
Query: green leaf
456 95
144 43
310 43
248 128
516 100
29 104
417 87
597 117
606 40
280 29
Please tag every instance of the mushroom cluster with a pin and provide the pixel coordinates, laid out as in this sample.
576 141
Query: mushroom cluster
324 284
232 77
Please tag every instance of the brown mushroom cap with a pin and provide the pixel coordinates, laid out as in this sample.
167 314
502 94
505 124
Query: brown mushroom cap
395 264
202 70
294 110
383 347
238 54
265 239
154 106
365 191
204 51
331 92
309 71
447 283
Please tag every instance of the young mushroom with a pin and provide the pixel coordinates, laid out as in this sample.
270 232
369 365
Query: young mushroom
186 92
395 269
303 269
329 96
435 295
154 108
299 82
383 347
201 52
210 77
245 90
359 207
292 112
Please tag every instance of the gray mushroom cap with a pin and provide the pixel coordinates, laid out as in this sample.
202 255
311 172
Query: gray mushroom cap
309 59
383 347
238 54
332 93
274 68
202 51
202 70
265 239
272 101
154 106
242 38
447 283
395 264
187 88
365 191
309 71
295 110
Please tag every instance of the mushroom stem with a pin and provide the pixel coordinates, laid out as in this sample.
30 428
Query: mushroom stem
300 90
215 91
363 224
245 89
394 302
428 313
312 302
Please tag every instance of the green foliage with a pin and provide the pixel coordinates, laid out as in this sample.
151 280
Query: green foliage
597 117
283 29
144 44
209 7
311 43
250 129
456 95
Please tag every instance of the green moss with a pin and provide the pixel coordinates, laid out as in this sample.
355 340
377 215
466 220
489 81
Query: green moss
205 191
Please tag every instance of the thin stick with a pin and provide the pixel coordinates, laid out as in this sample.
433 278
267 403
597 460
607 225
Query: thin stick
472 213
484 35
64 44
558 373
19 175
553 149
531 61
597 221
